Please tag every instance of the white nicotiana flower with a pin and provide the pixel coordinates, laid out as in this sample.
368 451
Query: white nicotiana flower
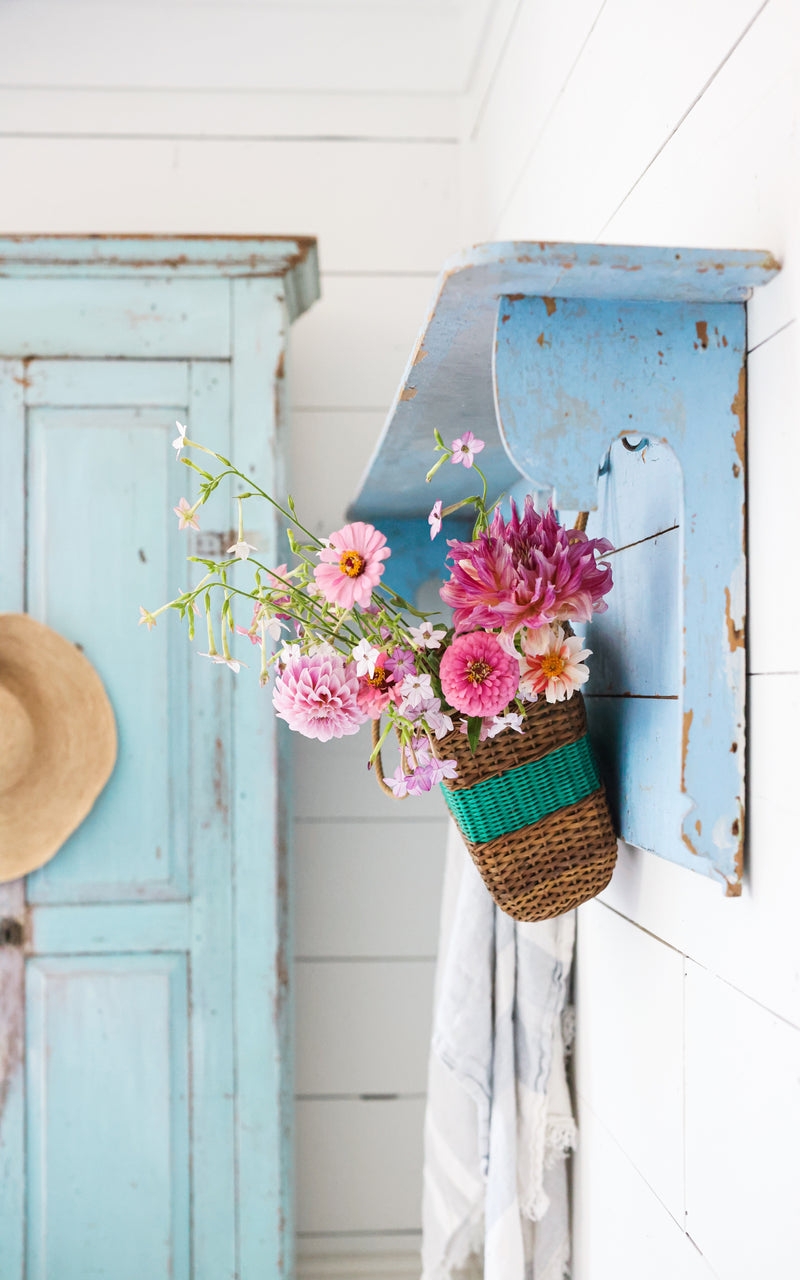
365 657
416 689
180 440
508 720
426 636
241 549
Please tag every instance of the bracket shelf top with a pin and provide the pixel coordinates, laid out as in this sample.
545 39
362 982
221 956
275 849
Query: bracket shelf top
448 381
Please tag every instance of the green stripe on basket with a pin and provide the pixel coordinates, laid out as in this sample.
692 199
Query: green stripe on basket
521 796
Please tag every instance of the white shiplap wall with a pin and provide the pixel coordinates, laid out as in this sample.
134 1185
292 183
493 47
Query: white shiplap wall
397 132
339 120
656 123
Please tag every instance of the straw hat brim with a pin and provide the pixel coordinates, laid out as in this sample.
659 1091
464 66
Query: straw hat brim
58 742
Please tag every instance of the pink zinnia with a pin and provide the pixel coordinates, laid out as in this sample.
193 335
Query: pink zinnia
317 696
478 677
352 565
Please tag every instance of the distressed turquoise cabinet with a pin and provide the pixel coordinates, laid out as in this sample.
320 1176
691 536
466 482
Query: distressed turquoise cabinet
145 1049
613 379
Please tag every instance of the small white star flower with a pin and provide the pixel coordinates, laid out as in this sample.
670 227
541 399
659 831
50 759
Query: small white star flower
415 689
241 549
427 636
508 720
365 657
180 440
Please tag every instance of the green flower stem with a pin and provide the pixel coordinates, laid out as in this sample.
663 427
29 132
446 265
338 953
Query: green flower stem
380 742
212 648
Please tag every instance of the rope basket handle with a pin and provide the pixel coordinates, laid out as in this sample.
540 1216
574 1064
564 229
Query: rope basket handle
580 525
379 774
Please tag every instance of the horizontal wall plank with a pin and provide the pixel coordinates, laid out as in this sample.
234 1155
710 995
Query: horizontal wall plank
363 1027
629 1045
197 113
134 318
328 454
52 383
373 206
365 1266
742 1130
533 47
371 48
368 888
773 462
621 1228
332 782
749 941
730 142
359 1165
350 351
639 76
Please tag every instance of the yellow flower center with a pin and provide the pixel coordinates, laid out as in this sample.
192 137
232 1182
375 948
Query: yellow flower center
378 679
552 665
351 563
477 671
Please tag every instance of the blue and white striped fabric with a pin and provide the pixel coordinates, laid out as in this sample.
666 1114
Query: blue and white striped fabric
498 1120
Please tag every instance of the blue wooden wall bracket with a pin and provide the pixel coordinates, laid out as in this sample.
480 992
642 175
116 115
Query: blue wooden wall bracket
551 353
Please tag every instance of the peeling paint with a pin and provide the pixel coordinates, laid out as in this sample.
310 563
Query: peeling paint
408 393
738 405
702 333
735 634
420 356
550 304
688 717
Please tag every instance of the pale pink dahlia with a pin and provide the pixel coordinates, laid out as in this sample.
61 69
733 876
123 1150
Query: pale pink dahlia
552 664
317 695
478 677
352 564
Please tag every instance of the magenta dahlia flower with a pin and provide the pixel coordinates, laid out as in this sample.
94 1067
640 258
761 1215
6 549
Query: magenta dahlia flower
527 573
317 695
478 677
352 564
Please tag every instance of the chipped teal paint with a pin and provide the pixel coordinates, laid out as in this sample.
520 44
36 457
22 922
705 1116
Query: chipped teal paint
551 353
150 1132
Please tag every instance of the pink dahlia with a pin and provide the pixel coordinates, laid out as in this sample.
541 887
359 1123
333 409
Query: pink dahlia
527 573
352 564
478 677
317 695
552 664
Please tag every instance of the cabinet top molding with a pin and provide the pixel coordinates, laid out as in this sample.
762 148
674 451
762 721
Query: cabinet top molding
293 257
448 380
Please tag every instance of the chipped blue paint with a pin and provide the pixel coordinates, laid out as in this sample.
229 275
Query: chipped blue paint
551 353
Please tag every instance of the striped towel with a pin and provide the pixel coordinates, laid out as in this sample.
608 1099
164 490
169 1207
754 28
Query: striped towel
498 1120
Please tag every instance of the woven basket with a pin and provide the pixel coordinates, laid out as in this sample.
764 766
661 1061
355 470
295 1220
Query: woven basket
532 811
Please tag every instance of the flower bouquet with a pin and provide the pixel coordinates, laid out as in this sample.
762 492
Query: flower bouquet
488 707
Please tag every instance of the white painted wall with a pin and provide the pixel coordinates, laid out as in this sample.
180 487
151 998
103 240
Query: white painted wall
396 132
655 123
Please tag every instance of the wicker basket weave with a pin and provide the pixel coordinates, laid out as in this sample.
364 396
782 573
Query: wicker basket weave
532 811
